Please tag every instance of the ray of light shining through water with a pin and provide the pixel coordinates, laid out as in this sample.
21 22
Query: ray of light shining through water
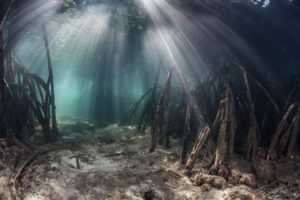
102 65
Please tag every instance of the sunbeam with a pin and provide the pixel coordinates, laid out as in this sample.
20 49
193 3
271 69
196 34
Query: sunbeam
149 99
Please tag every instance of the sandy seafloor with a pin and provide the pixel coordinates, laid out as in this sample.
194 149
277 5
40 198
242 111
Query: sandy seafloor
114 163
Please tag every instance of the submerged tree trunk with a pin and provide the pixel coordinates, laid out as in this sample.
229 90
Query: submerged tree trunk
147 111
272 152
50 82
252 143
159 108
221 150
190 99
166 126
5 115
225 142
186 134
233 125
196 149
295 134
285 138
133 108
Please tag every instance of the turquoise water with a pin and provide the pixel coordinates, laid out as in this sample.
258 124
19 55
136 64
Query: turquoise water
105 54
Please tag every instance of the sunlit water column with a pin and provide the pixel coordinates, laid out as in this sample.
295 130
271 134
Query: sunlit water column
172 46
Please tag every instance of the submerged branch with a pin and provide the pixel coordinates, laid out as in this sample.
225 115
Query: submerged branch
259 85
6 13
50 81
159 108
